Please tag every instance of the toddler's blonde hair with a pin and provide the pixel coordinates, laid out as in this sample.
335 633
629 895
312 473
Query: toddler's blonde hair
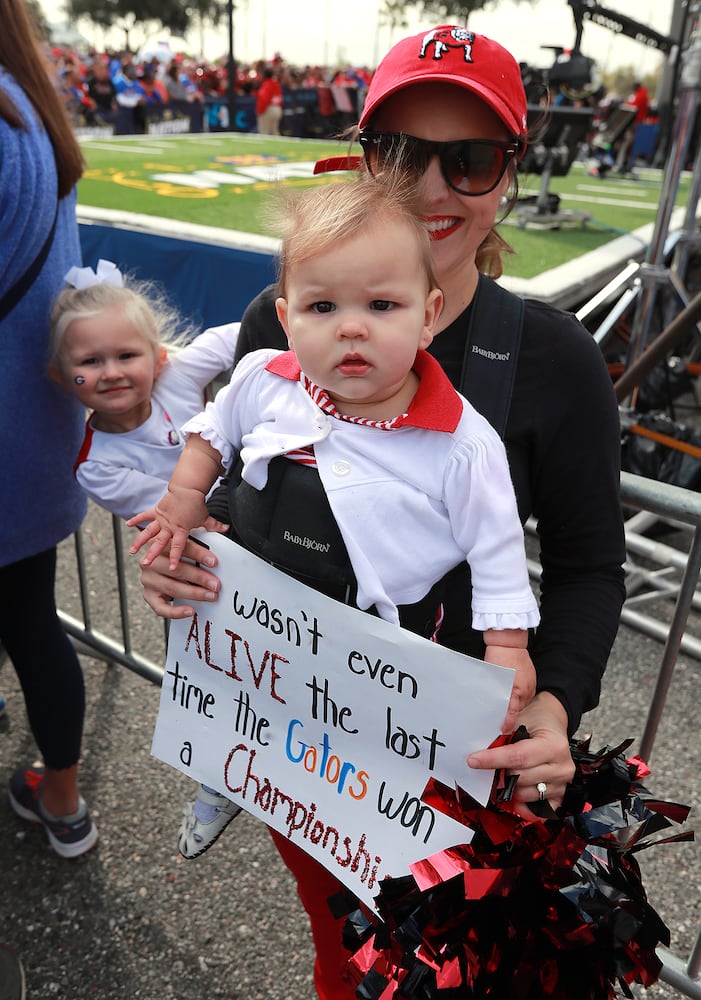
143 303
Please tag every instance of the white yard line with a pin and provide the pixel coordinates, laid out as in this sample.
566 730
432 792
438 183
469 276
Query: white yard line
620 202
112 148
636 192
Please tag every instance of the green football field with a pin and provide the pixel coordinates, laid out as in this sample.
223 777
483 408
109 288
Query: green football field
228 180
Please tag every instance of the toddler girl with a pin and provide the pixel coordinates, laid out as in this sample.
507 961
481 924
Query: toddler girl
120 348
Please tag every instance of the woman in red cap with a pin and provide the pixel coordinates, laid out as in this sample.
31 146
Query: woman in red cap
449 105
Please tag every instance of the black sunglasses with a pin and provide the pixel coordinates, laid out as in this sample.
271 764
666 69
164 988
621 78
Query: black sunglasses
469 166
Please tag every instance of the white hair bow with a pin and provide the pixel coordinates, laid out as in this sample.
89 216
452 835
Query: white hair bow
106 273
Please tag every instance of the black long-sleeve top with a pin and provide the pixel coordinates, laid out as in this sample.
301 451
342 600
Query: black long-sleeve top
563 443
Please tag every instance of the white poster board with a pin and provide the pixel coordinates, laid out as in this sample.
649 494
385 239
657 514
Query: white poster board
323 721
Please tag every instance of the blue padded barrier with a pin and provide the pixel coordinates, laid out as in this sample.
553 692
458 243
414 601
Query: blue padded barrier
209 284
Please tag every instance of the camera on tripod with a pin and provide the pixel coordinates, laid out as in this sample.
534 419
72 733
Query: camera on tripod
558 128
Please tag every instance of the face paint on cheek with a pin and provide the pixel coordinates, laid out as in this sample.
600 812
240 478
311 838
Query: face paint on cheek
79 379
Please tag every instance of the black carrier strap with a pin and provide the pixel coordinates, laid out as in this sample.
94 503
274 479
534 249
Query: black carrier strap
491 351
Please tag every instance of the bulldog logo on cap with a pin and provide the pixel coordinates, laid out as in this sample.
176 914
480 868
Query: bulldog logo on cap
452 54
444 39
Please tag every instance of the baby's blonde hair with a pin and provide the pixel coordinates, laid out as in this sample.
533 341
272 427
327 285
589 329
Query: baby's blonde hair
321 217
143 304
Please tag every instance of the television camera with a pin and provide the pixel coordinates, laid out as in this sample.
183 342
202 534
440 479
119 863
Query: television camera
575 76
574 86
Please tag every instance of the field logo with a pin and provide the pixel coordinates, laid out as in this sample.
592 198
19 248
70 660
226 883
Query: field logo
249 160
247 170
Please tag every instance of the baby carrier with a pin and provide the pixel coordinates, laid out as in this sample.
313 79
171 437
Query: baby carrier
290 523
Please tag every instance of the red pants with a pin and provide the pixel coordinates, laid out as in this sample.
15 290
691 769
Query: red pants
314 886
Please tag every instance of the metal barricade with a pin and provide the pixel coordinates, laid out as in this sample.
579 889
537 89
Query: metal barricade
90 639
654 500
681 507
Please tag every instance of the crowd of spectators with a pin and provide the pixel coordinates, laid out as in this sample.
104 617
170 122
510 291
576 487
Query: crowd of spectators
96 85
104 88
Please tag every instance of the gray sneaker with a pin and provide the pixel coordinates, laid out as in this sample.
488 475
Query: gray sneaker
70 836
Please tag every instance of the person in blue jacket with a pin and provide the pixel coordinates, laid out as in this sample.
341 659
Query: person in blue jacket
40 430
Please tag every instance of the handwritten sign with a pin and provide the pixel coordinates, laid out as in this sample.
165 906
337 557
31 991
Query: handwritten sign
323 721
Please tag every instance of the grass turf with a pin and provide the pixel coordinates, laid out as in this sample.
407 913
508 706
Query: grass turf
227 180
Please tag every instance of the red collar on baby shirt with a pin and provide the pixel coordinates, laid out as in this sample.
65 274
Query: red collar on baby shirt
435 407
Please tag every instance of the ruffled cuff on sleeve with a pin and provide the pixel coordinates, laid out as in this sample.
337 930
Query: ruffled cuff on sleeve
482 620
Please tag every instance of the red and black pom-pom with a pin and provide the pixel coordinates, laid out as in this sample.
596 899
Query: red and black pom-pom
549 908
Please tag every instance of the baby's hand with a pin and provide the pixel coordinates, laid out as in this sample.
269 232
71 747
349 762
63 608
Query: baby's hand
524 682
171 521
155 530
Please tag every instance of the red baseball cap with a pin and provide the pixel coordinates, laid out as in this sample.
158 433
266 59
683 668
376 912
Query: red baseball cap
453 54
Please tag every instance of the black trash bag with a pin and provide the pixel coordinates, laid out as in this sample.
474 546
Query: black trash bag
655 460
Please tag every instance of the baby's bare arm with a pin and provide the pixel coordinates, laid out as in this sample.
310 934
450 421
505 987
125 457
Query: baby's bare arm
507 648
